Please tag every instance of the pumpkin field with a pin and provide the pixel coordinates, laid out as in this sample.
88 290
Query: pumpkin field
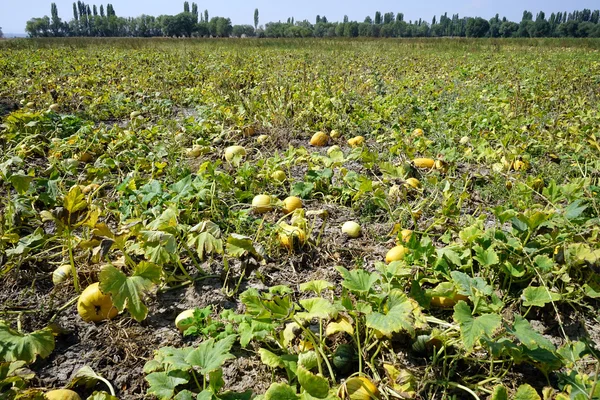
299 219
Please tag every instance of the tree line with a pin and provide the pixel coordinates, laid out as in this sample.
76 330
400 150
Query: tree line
93 21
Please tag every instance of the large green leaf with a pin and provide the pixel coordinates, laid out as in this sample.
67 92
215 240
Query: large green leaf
238 245
317 307
526 392
317 286
472 329
499 393
128 291
75 200
163 384
270 359
538 296
21 183
315 385
401 313
358 280
528 336
211 355
281 391
15 346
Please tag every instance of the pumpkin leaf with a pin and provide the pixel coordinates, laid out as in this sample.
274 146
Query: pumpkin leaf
400 314
128 291
315 385
16 346
281 391
163 384
210 355
472 329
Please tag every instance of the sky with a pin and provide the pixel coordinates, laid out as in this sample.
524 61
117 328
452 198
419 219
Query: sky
14 14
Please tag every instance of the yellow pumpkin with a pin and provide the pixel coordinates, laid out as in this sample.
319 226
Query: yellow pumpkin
61 274
262 203
95 306
356 141
54 107
319 139
351 228
424 162
291 204
290 236
413 183
62 394
418 132
358 388
181 317
396 253
232 151
278 176
334 134
262 138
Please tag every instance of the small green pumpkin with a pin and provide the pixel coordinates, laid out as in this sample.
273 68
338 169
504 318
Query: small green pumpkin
343 357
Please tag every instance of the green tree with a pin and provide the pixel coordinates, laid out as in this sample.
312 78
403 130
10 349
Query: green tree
184 24
205 15
256 18
101 10
242 30
186 6
508 29
195 12
38 27
541 27
377 18
56 23
220 27
477 27
1 34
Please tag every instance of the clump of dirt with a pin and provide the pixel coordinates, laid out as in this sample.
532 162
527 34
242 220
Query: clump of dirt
7 106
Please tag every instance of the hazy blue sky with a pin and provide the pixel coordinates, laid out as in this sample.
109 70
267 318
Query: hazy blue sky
14 14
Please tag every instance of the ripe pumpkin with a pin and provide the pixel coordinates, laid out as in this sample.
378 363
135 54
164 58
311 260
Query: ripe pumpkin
181 317
290 236
356 141
424 162
262 203
351 228
291 203
396 253
62 394
412 183
61 274
319 139
334 134
234 151
134 114
95 306
278 176
358 388
418 132
262 138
